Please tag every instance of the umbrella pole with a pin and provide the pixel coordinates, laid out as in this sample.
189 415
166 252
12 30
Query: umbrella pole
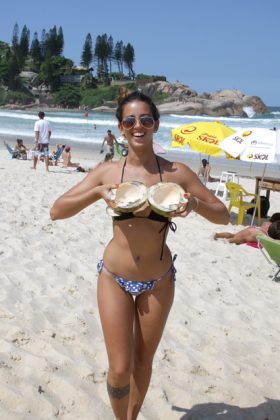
258 195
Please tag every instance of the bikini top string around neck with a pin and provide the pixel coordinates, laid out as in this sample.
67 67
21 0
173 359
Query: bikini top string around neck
152 216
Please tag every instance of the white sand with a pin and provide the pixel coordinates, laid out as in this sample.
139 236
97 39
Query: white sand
221 349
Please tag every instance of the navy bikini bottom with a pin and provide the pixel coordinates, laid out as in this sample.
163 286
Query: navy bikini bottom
137 287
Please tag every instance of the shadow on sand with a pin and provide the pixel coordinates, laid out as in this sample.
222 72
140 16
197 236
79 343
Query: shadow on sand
269 410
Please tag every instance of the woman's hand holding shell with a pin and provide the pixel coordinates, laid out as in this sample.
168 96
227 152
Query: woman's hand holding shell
108 193
186 205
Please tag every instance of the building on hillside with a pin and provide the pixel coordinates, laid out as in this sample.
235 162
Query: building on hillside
76 75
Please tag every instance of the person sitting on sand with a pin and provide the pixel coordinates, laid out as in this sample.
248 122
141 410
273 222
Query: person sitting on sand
249 234
20 150
66 158
204 172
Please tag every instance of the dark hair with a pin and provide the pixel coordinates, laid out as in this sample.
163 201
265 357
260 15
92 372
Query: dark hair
274 230
108 156
204 162
127 97
275 217
41 114
109 131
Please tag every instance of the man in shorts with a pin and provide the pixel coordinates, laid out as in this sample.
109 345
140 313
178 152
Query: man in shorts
42 140
109 141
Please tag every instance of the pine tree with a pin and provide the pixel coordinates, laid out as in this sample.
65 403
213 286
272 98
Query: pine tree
13 71
43 46
51 43
24 41
60 41
128 58
23 46
15 37
87 55
35 52
118 55
110 51
101 52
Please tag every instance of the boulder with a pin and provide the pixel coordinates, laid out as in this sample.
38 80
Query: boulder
184 100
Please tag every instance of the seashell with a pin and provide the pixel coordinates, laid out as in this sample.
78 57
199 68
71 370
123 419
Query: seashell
166 197
129 196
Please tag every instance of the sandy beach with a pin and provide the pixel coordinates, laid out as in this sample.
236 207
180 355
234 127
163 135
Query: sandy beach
220 353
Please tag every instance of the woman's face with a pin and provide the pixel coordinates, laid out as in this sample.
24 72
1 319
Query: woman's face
139 136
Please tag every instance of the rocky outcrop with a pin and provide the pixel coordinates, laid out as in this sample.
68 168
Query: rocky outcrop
182 99
176 98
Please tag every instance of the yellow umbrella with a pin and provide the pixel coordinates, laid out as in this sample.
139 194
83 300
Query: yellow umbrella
203 137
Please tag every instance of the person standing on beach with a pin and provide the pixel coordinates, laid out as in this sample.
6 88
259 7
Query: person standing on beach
42 139
136 280
109 141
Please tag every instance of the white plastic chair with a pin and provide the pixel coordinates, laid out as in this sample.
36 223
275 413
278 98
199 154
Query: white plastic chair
224 178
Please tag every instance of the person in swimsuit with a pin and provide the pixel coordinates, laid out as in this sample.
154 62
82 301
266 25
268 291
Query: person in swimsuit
204 172
108 142
136 280
270 228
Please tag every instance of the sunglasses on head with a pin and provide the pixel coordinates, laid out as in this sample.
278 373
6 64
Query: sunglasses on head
146 121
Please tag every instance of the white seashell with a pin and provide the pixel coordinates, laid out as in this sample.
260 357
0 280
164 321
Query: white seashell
130 196
166 197
111 195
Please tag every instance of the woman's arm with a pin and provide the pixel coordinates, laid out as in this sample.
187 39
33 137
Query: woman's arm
80 196
201 200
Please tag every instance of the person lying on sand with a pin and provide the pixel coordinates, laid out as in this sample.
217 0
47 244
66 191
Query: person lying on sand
249 234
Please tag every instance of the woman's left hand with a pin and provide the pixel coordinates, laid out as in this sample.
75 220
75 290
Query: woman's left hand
185 208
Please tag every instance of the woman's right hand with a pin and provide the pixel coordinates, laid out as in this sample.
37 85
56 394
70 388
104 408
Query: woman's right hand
106 192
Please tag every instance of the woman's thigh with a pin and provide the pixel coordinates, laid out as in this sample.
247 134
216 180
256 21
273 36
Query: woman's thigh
152 311
116 309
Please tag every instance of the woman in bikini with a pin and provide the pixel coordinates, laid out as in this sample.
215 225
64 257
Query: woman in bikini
136 275
249 234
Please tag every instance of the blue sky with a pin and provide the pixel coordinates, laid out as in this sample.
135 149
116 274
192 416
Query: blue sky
205 44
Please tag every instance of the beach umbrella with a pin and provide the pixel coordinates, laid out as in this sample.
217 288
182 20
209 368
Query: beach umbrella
202 136
254 145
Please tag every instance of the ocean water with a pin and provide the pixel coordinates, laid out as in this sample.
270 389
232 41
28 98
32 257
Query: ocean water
76 127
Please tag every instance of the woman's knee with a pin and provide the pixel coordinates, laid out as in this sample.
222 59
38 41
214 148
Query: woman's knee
120 369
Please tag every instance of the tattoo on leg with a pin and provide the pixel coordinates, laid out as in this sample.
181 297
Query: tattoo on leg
118 393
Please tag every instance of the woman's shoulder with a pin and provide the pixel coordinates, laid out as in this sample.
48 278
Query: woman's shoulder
107 169
173 165
174 171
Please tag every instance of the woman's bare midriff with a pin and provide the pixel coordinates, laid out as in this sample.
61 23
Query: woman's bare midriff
137 259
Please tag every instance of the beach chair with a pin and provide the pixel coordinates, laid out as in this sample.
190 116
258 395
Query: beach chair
11 150
271 251
237 194
58 154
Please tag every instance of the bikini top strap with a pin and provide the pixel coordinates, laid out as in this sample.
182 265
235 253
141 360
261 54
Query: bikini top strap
158 165
158 168
124 165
